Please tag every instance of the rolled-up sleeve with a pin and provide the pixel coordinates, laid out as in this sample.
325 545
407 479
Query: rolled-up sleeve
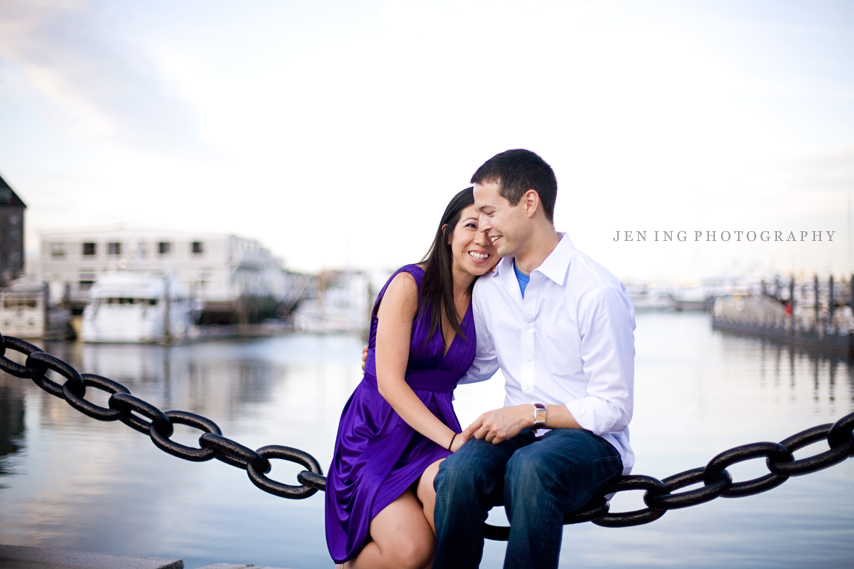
606 325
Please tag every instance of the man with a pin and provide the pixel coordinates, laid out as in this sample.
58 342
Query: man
560 327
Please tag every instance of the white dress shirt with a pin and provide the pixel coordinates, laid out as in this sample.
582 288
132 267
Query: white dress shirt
570 341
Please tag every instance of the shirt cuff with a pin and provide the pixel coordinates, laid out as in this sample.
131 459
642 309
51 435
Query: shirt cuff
584 413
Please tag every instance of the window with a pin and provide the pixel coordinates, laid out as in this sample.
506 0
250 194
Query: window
198 247
57 250
139 249
85 285
114 248
164 247
88 249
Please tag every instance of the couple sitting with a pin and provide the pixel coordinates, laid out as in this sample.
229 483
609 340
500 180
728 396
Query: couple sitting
558 325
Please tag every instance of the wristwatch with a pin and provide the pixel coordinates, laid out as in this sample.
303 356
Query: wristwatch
539 416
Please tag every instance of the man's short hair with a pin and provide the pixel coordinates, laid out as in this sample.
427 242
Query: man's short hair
516 172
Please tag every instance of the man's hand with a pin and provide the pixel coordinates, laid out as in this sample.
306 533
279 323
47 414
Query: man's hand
364 357
501 424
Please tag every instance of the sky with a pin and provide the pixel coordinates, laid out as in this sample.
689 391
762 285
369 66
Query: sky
335 132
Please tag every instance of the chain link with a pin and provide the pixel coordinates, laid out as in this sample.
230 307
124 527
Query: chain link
146 418
659 495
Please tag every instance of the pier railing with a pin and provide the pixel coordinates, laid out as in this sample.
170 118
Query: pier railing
659 495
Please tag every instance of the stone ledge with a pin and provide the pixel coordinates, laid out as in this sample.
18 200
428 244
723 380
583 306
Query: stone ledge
19 557
232 566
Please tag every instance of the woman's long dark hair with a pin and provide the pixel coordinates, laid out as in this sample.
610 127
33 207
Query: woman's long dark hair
437 287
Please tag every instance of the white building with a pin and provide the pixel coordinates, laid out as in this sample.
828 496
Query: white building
216 268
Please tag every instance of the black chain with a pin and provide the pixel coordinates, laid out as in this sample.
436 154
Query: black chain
146 418
659 495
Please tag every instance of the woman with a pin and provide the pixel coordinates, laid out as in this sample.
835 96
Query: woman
400 423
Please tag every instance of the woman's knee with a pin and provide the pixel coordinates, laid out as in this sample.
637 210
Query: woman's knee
415 552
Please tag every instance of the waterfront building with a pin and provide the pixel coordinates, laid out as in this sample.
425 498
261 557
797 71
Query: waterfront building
11 234
235 279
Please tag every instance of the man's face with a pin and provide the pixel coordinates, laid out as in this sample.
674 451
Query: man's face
504 224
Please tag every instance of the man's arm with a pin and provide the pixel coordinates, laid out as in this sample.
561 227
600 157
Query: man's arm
486 359
505 423
608 355
607 351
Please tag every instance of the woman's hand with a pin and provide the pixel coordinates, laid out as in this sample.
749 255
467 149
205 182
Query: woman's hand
459 441
364 357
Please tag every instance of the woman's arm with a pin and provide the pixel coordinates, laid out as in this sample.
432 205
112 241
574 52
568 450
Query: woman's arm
394 330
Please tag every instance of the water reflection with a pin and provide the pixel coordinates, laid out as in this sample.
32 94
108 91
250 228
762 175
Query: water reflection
82 484
11 421
213 379
782 362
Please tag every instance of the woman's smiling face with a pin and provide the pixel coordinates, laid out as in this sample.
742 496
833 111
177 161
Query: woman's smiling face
470 248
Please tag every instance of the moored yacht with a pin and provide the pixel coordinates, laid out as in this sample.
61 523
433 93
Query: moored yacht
26 312
137 307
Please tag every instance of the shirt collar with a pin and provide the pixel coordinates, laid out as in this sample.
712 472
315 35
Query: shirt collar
554 267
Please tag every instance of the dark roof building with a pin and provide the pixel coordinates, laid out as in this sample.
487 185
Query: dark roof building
11 234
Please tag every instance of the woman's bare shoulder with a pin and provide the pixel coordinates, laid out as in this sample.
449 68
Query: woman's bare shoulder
403 284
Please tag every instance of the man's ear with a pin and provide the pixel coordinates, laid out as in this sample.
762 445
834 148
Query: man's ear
531 200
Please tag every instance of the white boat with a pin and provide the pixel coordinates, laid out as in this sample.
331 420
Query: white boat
698 298
137 307
646 298
25 312
343 304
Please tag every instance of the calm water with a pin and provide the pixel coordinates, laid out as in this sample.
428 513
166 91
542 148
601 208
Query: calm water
67 481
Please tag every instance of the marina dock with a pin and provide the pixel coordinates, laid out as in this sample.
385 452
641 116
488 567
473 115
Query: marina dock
813 315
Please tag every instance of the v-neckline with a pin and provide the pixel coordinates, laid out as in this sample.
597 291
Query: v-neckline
442 333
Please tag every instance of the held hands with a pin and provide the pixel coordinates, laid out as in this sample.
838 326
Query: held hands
364 357
500 424
459 440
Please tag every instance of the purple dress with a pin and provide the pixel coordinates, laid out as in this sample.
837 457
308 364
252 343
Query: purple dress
377 454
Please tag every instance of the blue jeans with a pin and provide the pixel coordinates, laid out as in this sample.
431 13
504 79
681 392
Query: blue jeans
537 480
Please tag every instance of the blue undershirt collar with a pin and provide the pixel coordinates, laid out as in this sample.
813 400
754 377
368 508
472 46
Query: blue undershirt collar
522 278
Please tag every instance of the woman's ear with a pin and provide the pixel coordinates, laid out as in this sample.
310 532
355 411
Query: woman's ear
444 230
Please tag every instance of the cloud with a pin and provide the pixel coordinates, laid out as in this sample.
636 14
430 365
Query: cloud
66 51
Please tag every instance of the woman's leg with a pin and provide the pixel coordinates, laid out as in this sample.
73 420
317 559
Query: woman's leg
427 494
402 538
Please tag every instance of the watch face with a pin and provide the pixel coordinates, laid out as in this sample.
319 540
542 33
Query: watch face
540 417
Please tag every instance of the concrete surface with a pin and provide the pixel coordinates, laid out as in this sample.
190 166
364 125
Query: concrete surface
18 557
231 566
